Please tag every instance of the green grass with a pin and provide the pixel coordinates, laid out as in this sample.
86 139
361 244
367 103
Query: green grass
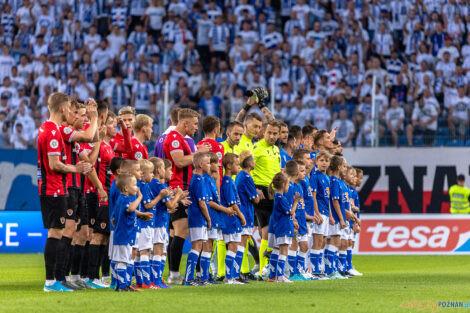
387 282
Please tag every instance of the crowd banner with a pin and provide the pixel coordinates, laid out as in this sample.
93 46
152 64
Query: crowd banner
414 234
408 180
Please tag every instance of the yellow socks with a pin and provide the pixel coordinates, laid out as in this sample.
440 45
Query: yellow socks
263 261
221 252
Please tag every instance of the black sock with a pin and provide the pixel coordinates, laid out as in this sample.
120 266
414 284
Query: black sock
68 259
93 261
84 260
254 252
176 251
77 257
62 250
168 249
105 261
50 252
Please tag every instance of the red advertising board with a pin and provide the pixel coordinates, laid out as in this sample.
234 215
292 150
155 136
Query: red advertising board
414 234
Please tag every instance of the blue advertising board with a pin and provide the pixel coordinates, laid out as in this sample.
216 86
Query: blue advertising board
22 232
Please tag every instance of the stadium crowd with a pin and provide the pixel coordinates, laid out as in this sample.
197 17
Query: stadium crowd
322 56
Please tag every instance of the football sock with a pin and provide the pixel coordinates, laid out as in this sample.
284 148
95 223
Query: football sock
50 252
145 269
349 259
273 263
292 262
253 249
342 261
62 250
138 271
84 260
245 269
315 260
205 261
105 261
176 251
162 266
221 252
130 270
121 275
263 261
191 265
281 264
155 264
238 261
77 257
93 261
113 273
301 261
229 259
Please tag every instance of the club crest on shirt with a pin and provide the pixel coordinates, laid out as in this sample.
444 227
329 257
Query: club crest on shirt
67 130
92 221
175 144
138 155
219 154
54 143
69 212
62 220
103 225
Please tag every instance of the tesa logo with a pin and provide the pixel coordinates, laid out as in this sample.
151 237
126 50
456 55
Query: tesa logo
412 235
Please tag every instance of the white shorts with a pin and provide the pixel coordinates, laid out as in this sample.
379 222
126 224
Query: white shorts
272 241
355 236
301 238
236 237
283 240
334 230
322 229
310 228
198 233
160 235
111 240
345 233
136 244
215 234
247 231
146 239
122 254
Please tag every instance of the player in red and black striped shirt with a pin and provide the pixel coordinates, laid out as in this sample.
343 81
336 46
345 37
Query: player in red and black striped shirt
53 188
211 129
122 142
143 127
177 150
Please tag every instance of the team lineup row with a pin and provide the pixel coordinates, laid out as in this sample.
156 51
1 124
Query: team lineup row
107 205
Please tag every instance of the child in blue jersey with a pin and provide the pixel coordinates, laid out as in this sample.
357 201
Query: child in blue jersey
358 174
125 228
296 173
233 224
115 167
287 150
248 196
216 213
282 221
346 233
320 183
199 221
163 208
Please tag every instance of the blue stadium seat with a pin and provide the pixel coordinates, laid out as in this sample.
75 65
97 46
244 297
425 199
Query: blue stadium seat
455 143
418 141
440 141
467 143
443 131
402 141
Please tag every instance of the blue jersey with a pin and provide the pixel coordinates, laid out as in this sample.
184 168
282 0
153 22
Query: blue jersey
353 200
308 197
300 210
161 217
357 201
229 197
285 157
247 193
197 192
217 217
339 192
147 197
126 222
281 220
113 196
140 208
320 184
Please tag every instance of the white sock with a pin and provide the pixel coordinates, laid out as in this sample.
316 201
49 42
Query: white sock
174 274
144 258
50 282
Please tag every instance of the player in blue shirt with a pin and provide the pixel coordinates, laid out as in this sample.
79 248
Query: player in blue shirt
199 221
125 228
233 224
216 212
282 225
320 183
296 173
287 151
356 227
339 203
248 196
163 207
346 233
115 167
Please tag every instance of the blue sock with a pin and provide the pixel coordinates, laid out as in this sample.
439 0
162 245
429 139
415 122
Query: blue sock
121 276
281 264
237 264
229 259
130 270
205 263
329 259
113 274
162 267
292 262
156 269
322 260
336 261
342 261
301 261
315 260
349 258
273 263
138 272
145 269
191 265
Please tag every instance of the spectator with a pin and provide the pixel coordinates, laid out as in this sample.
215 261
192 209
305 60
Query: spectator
394 118
459 113
346 129
424 122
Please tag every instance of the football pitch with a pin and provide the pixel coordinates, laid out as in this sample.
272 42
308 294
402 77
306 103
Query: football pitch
388 283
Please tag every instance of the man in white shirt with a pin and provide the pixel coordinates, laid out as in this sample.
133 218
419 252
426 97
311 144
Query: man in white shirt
394 119
424 122
446 65
143 94
118 95
459 113
321 115
383 42
346 129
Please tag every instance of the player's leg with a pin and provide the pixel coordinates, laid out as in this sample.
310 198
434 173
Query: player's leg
302 257
205 259
196 238
281 263
221 255
232 245
180 225
292 260
80 239
273 258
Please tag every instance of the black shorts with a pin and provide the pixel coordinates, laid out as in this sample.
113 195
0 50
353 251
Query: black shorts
92 204
72 203
181 212
53 211
264 208
101 225
82 211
